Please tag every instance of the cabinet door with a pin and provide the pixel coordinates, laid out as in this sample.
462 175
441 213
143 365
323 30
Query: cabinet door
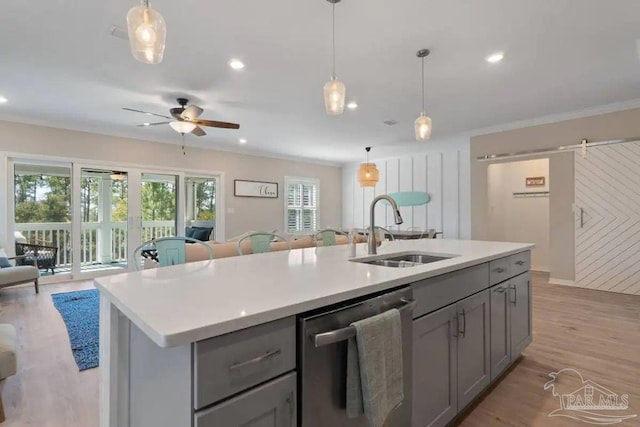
500 329
270 405
434 368
473 347
520 307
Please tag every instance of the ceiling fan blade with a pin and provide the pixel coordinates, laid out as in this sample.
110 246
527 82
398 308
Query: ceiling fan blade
146 112
152 124
192 112
177 112
198 131
214 124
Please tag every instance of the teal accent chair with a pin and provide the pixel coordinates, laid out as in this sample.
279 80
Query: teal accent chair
168 250
328 236
261 242
410 198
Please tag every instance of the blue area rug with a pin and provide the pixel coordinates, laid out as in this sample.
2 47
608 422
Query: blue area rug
80 311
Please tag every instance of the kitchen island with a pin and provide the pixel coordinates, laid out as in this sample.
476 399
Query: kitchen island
194 343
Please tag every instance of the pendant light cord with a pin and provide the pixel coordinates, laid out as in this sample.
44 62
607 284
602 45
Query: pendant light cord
423 110
333 73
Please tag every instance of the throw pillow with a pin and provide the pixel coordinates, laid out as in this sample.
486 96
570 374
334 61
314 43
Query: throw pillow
202 233
4 259
189 231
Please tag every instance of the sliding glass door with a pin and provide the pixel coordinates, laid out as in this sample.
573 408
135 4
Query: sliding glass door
200 206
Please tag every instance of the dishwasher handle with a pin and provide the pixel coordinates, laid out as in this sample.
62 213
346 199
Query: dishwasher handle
333 337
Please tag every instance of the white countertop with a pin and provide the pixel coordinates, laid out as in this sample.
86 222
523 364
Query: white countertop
185 303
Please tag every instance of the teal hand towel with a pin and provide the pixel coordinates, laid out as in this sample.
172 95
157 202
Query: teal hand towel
374 368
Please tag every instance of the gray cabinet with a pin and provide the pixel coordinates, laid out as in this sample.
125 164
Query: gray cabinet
270 405
434 400
500 329
473 347
520 311
450 360
510 321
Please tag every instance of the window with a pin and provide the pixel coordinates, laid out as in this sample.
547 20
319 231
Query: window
301 204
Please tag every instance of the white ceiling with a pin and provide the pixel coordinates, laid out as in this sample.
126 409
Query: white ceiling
61 67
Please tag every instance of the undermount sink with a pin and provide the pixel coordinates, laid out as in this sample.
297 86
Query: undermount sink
403 260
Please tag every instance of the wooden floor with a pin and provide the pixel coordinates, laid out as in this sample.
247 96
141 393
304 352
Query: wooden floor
597 333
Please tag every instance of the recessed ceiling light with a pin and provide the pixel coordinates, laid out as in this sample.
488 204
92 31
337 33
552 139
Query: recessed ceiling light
236 64
352 105
495 57
242 141
3 100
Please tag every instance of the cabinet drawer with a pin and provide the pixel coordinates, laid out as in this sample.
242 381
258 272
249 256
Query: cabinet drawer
520 263
272 404
231 363
437 292
499 270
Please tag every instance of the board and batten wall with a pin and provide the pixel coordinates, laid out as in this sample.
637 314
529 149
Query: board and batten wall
242 213
599 127
444 174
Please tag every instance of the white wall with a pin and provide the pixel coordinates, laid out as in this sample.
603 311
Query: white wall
241 214
520 219
442 172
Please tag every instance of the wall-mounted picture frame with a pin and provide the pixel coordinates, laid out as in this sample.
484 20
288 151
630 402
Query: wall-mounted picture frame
535 181
258 189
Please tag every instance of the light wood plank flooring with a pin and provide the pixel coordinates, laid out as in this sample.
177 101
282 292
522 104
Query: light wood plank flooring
598 333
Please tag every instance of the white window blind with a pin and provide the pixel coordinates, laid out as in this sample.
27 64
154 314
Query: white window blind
301 205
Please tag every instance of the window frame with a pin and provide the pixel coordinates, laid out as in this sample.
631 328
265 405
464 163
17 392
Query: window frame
288 180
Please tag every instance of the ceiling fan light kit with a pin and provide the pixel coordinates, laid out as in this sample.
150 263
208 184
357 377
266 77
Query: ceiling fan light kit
334 90
423 124
182 127
147 33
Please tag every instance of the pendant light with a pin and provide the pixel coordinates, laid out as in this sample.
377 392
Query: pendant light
368 173
147 33
423 123
334 90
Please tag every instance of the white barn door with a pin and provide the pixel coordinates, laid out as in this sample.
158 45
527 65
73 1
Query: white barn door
607 206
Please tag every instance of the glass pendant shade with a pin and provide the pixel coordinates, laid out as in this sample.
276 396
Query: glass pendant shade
147 34
182 127
368 175
334 96
423 127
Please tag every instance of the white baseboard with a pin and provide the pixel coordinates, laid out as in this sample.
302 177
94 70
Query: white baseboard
562 282
540 269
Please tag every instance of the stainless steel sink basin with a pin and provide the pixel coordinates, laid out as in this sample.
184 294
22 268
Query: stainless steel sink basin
403 260
419 258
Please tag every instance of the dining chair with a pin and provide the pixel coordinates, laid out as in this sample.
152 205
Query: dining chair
328 236
422 231
261 242
167 251
381 233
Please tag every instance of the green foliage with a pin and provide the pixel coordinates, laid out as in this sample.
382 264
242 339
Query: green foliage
41 198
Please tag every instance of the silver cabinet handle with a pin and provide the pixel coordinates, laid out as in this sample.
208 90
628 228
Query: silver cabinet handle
500 289
256 360
464 323
290 403
456 334
515 294
332 337
520 262
499 270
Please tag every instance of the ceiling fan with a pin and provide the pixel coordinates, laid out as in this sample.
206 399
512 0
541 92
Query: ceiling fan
185 119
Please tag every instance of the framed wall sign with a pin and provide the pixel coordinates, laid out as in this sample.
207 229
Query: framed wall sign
535 181
245 188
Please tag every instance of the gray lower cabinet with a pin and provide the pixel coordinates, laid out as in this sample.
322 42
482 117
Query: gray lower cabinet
270 405
510 321
500 329
520 306
450 360
474 367
435 368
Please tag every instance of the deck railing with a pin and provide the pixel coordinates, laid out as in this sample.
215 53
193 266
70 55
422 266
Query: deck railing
58 234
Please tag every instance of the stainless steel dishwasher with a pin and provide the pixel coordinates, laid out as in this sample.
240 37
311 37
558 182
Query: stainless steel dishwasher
323 360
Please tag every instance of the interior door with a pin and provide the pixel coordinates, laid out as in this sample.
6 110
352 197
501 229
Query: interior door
607 207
